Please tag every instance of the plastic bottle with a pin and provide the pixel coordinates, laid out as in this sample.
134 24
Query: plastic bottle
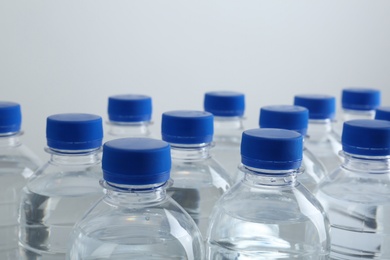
17 164
357 103
136 219
228 109
356 196
198 180
269 214
61 190
383 113
295 118
321 140
129 116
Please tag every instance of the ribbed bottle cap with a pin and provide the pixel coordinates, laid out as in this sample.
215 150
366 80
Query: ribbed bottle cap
224 103
129 108
383 113
136 161
319 106
10 117
360 98
366 137
187 127
288 117
74 131
271 148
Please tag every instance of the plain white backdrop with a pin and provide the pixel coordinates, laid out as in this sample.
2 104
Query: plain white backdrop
69 56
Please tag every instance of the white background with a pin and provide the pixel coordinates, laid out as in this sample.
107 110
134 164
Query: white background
69 56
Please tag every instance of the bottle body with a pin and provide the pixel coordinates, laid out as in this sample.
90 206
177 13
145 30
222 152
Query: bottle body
323 143
314 171
227 139
17 164
357 199
56 196
136 223
283 221
198 182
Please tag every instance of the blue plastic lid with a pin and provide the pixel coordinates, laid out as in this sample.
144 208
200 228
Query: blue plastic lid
187 127
360 98
74 131
136 161
129 108
10 117
288 117
319 106
366 137
272 149
224 103
383 113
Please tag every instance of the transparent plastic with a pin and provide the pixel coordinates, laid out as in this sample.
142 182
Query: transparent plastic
17 164
356 197
136 222
198 181
127 129
322 141
348 114
227 139
55 197
268 215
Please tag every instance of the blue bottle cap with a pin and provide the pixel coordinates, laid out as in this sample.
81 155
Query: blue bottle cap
224 103
383 113
271 149
129 108
136 161
187 127
360 98
10 117
74 131
319 106
366 137
288 117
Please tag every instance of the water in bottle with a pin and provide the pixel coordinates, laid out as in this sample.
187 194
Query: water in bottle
136 219
269 214
321 140
357 103
382 113
228 109
129 116
17 164
295 118
356 196
61 190
198 180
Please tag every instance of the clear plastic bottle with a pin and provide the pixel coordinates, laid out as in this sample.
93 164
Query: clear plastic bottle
269 214
228 108
129 116
321 140
17 164
356 196
357 103
198 180
383 113
136 219
61 190
295 118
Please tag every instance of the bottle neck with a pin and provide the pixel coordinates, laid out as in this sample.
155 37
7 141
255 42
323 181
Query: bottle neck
349 114
191 152
366 164
228 128
135 195
72 157
319 129
10 139
271 178
129 128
